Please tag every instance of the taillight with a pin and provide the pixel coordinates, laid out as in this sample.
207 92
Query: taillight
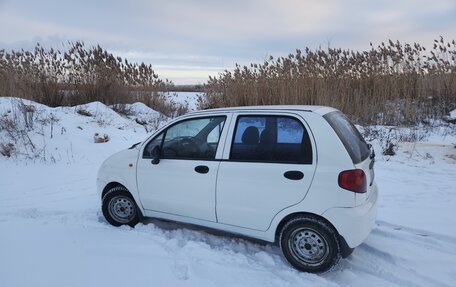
353 180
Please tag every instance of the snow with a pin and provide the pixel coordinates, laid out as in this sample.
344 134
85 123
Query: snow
72 131
52 232
190 98
143 111
453 114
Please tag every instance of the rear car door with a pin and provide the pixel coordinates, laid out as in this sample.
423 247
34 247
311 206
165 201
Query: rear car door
269 163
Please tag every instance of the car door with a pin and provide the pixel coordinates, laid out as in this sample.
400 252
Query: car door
182 181
268 165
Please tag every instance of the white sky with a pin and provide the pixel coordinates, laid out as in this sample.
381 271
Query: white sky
188 40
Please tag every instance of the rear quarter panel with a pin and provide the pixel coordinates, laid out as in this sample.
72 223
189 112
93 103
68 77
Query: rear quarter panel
332 158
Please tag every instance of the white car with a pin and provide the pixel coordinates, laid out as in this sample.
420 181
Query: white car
300 176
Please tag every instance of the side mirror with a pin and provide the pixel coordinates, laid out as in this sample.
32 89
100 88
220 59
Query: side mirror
156 155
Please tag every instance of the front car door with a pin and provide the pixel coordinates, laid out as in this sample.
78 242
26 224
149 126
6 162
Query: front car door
183 181
269 163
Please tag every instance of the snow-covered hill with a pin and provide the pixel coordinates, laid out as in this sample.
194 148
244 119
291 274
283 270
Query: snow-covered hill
66 134
52 232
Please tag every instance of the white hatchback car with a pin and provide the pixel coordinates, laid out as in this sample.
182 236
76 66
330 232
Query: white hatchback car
300 176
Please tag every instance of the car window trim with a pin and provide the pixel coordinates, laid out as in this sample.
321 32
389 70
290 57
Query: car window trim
235 160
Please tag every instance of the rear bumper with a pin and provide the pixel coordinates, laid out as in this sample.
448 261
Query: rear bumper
355 223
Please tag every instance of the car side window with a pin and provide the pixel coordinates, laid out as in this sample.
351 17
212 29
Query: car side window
189 139
156 141
280 139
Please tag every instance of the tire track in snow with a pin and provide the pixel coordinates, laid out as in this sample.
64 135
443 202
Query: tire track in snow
374 259
386 259
390 256
450 240
192 250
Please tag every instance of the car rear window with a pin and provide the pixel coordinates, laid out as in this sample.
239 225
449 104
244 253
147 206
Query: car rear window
349 135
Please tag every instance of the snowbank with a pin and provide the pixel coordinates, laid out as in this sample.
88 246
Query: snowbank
453 114
143 111
48 134
142 114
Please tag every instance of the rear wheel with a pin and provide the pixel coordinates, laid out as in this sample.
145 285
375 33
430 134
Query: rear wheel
310 244
119 207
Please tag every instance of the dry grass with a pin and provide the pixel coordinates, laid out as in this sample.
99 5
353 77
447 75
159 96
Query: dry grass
80 75
390 84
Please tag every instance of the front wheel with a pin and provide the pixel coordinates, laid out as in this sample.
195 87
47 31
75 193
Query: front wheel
310 244
119 207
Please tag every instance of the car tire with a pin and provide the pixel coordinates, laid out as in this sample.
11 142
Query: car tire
119 207
310 244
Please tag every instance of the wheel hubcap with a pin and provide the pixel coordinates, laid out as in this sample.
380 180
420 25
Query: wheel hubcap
122 209
308 246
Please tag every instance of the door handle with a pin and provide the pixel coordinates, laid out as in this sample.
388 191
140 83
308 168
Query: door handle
202 169
294 175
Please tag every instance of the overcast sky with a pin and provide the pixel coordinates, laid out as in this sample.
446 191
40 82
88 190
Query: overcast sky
187 40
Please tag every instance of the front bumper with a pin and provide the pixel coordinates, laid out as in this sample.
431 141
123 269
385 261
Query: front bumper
355 223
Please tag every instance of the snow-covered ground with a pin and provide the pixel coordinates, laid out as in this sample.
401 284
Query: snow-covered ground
190 98
52 232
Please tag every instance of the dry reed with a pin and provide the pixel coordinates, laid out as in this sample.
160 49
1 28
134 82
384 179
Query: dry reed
392 83
79 75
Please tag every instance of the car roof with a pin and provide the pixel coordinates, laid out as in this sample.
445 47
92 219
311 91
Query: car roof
306 108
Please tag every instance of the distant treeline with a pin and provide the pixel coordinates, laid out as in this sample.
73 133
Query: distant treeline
79 75
187 88
392 83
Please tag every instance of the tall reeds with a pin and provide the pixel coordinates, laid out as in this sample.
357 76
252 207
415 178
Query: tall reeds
81 74
392 83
